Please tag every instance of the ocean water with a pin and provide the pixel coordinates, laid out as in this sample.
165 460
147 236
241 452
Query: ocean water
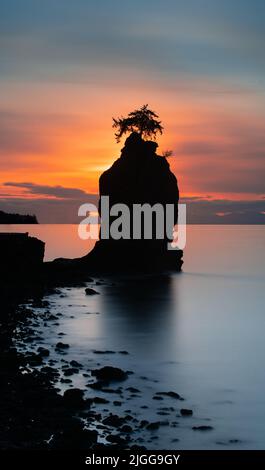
199 333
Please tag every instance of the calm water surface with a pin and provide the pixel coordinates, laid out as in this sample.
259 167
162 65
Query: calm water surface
199 333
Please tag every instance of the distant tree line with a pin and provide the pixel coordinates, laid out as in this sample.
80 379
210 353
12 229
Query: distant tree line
6 218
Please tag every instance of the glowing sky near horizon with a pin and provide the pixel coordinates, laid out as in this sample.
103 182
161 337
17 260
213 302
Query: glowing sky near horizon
68 66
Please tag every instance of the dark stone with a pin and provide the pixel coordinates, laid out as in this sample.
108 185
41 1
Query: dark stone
75 364
126 428
143 423
110 373
90 291
74 398
74 438
153 426
21 256
170 394
43 352
113 420
97 385
100 400
70 371
186 412
202 428
33 359
62 346
103 352
116 439
133 390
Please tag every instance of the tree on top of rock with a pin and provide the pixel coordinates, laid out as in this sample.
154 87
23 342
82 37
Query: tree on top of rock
143 120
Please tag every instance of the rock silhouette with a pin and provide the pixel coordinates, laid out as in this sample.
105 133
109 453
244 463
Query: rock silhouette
6 218
20 255
138 176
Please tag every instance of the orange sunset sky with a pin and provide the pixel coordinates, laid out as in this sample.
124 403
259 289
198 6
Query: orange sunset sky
69 68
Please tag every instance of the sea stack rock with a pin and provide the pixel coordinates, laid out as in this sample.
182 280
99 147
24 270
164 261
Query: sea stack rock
139 176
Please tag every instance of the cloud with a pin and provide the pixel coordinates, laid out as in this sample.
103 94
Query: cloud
63 207
224 211
51 204
59 192
53 38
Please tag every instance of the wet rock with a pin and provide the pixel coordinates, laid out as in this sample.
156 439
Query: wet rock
143 423
109 373
103 352
70 371
52 317
33 359
123 352
114 421
96 385
74 398
99 400
116 439
153 426
74 439
157 397
167 408
43 352
186 412
117 403
170 394
75 364
133 390
62 346
202 428
126 428
90 291
129 418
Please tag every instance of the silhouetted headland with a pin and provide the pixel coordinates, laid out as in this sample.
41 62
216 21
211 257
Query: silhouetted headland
6 218
21 256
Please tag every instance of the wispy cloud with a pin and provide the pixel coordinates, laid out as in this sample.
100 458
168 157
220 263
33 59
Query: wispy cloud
59 192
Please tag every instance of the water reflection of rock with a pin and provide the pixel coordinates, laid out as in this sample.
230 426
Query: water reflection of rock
142 308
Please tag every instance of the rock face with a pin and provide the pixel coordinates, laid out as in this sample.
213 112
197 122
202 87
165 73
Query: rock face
20 254
139 176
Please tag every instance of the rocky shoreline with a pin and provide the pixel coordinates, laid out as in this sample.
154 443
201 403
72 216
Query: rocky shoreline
35 414
31 409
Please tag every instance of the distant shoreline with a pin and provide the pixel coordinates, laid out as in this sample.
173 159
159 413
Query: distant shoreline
6 218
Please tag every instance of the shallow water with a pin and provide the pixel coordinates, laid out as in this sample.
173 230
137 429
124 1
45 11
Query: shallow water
199 333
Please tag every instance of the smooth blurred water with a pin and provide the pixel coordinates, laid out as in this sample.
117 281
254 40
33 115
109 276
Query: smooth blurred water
199 333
